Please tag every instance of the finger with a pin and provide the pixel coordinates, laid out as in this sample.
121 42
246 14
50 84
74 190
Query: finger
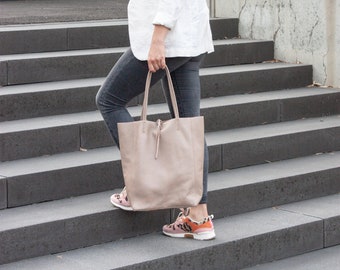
151 68
155 66
163 64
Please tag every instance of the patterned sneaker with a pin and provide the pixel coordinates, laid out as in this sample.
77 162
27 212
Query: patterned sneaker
185 227
121 200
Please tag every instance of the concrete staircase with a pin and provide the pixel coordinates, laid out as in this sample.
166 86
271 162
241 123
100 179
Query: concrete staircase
274 145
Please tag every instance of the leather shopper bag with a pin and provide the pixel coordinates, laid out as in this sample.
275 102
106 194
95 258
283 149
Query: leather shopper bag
162 161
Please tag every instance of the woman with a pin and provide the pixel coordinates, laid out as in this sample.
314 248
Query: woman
175 33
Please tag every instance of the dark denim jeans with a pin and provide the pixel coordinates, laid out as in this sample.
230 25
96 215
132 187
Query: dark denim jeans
127 80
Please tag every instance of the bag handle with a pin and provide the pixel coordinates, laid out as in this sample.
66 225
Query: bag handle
172 94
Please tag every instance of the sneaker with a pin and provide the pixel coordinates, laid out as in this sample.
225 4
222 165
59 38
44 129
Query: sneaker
121 200
185 227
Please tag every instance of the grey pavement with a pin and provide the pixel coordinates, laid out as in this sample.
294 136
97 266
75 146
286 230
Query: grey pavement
42 11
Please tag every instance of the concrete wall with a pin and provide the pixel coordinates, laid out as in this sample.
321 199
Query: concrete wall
306 31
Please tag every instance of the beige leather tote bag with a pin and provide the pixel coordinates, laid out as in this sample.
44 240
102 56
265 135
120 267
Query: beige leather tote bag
162 161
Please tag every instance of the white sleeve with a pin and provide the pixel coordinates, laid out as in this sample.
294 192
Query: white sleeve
168 12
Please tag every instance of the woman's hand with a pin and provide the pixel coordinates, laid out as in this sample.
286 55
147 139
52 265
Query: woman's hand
156 58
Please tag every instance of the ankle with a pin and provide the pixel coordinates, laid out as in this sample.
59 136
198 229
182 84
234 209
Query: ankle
198 213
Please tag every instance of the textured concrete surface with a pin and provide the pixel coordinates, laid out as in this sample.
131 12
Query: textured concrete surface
61 66
303 31
29 104
239 109
86 220
78 95
245 52
31 41
38 11
3 73
65 183
323 106
24 140
319 208
56 66
254 78
83 35
3 192
326 259
222 30
251 188
73 223
80 173
61 37
278 141
31 38
241 241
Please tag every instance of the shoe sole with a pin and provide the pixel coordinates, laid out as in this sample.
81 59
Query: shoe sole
126 208
197 236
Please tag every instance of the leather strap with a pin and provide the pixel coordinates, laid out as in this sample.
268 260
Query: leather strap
172 94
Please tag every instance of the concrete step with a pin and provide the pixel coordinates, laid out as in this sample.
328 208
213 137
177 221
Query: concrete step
72 96
251 188
65 175
78 64
273 142
325 259
70 132
242 241
45 11
34 38
68 224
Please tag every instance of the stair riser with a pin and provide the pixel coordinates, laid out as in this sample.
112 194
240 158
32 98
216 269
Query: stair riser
311 107
98 65
242 54
91 37
35 41
34 143
37 104
75 181
223 28
66 101
68 138
258 81
79 232
60 68
3 192
280 191
72 100
3 73
259 151
65 183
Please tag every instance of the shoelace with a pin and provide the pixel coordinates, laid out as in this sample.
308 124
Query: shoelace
178 219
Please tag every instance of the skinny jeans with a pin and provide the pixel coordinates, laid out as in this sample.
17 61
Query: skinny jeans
127 79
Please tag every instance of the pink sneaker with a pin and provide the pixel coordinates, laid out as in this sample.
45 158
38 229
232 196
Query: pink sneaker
121 200
185 227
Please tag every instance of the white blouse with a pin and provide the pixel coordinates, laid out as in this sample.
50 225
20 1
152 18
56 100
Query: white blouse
188 21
